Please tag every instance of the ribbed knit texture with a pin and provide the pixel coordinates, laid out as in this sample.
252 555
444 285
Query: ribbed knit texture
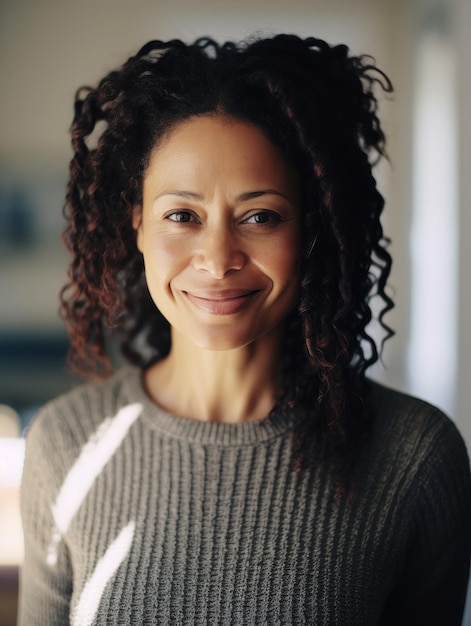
135 516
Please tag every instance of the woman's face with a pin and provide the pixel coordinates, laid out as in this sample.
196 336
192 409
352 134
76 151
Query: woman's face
220 232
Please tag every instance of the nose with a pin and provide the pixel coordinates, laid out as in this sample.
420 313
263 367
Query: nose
219 252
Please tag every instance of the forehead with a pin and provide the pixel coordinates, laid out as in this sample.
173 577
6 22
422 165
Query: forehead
223 147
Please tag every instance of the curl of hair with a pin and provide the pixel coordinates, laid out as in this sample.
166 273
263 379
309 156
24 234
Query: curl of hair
314 101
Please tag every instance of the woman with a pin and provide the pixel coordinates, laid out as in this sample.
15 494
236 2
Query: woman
243 470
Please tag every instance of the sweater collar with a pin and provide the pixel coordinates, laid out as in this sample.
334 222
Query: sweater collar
275 424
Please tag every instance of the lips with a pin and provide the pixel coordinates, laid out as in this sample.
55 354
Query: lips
225 302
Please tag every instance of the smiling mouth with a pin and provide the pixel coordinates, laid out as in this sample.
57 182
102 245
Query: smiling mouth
222 303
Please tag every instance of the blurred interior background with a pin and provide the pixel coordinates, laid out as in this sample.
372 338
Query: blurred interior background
50 47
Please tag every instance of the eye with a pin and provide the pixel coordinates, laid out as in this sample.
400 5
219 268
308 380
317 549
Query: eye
263 217
182 217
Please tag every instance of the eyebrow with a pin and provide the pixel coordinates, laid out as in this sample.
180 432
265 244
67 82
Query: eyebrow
243 197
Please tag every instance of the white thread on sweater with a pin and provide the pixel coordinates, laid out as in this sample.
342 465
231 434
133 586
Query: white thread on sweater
94 456
89 601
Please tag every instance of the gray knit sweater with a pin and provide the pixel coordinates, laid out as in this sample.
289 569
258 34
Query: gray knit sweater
135 516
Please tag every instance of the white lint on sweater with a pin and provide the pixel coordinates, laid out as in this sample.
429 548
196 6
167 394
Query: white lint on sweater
89 601
94 456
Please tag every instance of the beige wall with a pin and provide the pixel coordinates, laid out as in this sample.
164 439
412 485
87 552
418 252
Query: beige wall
51 47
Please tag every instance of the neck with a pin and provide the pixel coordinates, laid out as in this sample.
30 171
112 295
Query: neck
221 386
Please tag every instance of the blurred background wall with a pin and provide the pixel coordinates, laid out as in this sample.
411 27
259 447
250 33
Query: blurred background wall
50 47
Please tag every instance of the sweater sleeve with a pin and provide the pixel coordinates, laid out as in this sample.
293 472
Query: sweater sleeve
45 587
432 589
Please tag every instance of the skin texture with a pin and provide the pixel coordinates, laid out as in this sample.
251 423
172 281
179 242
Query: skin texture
220 234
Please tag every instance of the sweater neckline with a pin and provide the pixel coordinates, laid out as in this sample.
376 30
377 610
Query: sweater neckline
273 425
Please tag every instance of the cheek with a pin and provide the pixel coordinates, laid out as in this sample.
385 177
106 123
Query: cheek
282 259
287 272
164 258
161 267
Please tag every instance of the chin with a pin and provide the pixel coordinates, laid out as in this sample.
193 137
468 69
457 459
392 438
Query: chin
227 338
221 344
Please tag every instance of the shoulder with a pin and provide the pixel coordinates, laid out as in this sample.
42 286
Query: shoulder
414 438
419 468
69 421
406 420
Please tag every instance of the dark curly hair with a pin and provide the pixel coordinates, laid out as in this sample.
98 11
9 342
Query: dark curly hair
314 101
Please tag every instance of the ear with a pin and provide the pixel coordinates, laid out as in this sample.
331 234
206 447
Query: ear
137 225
